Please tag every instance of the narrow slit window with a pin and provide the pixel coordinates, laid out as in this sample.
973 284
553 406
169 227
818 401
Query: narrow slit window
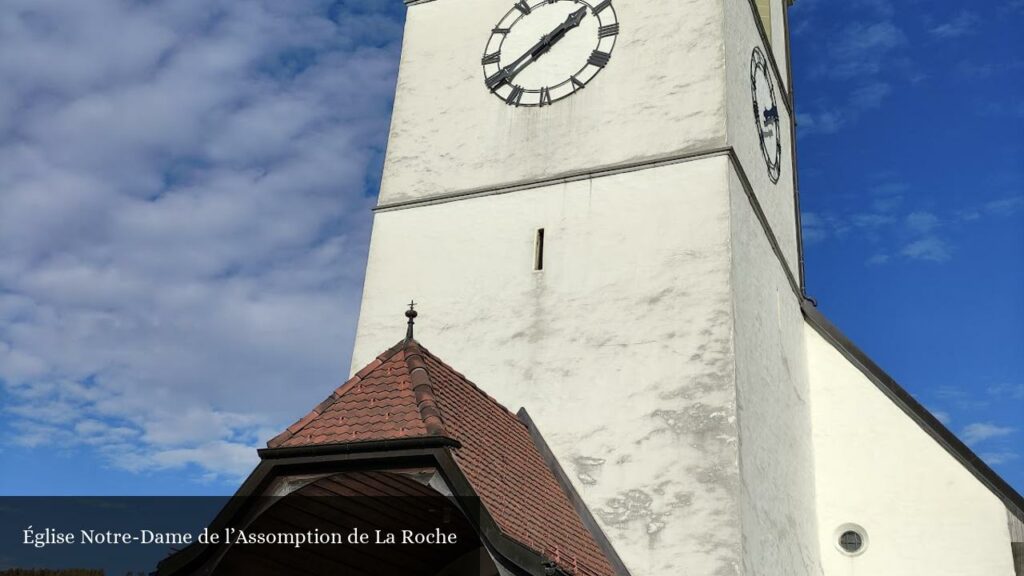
538 254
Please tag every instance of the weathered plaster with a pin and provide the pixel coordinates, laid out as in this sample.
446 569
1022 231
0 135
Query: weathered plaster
621 349
777 200
661 350
776 453
660 96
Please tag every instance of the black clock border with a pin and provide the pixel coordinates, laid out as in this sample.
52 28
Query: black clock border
597 58
758 60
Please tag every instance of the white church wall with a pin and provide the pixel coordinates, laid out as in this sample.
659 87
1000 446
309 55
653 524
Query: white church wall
621 348
923 512
660 96
777 200
661 350
776 453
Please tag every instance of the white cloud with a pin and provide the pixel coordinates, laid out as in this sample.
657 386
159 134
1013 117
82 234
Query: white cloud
824 122
871 220
981 431
922 222
890 189
1007 391
862 48
889 232
929 248
878 260
880 7
961 398
960 25
183 218
997 458
858 57
993 109
230 457
871 95
814 227
887 204
1005 206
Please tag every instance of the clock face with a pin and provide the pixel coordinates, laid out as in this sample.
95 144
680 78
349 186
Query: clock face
542 51
766 113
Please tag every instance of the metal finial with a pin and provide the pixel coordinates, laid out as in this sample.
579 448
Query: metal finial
411 315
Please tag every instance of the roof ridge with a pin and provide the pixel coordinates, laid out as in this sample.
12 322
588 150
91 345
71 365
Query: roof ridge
905 401
408 394
569 549
336 395
472 385
423 389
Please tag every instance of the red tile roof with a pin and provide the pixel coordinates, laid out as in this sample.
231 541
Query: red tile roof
408 392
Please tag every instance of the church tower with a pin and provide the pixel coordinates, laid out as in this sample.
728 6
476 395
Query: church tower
594 203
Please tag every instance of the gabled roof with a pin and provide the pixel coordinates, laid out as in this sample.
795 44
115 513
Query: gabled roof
906 402
408 393
378 403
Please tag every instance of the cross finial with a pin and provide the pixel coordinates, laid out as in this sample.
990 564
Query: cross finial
411 315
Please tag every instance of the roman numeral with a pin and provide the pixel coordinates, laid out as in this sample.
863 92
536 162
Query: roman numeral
494 81
501 31
600 7
545 97
599 59
514 96
576 84
609 30
523 7
491 58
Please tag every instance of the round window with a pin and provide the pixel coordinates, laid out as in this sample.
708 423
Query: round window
851 539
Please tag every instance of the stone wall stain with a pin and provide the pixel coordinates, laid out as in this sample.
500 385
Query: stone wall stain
587 468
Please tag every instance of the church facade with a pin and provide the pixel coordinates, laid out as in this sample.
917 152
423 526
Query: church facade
595 204
624 261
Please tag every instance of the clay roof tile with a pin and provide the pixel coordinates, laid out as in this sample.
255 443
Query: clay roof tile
408 392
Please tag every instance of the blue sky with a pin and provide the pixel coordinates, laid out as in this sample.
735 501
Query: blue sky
184 215
911 151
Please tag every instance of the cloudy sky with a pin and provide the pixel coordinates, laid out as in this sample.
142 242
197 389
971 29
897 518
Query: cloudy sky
184 213
911 142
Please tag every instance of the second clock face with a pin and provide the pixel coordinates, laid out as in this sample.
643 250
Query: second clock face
766 113
545 50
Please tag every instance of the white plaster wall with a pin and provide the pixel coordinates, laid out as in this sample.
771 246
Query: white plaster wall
621 349
777 200
776 453
661 95
924 513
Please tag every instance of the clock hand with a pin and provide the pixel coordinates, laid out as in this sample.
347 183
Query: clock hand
507 73
771 115
558 33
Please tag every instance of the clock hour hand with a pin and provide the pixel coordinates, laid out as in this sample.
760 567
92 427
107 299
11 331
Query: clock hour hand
558 33
507 73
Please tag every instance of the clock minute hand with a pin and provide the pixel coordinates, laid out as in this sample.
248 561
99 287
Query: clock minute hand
540 48
558 33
